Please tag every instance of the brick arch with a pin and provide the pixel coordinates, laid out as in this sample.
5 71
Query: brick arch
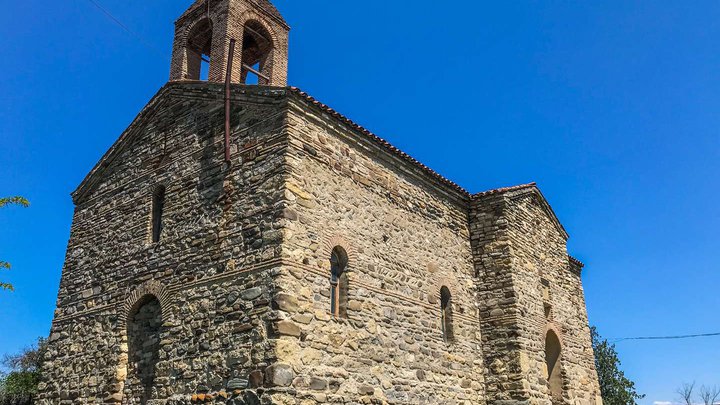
189 27
251 23
329 243
216 51
250 15
441 280
133 301
135 298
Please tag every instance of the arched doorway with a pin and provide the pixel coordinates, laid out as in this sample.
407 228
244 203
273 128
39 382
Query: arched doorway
553 352
144 325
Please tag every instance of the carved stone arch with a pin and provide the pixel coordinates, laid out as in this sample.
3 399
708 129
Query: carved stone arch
443 296
338 255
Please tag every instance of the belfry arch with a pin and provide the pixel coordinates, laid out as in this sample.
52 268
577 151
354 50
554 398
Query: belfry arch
204 35
257 54
199 49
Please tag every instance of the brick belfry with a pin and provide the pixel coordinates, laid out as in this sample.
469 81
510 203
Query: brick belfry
245 244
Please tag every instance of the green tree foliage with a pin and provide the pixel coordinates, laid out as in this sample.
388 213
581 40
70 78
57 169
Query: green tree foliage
20 385
5 265
615 388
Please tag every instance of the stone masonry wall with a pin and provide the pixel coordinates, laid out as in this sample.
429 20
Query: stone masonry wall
232 306
497 301
545 278
406 237
213 272
529 288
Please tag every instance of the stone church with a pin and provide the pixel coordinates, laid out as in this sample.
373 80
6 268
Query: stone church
243 243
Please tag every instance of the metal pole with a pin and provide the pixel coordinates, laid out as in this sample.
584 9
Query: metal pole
251 70
228 75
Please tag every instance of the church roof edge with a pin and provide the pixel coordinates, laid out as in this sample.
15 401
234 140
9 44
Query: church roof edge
277 91
523 189
387 145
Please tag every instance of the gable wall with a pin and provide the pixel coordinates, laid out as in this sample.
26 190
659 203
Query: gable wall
522 260
543 275
213 269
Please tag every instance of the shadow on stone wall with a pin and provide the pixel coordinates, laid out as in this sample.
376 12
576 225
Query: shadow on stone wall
15 399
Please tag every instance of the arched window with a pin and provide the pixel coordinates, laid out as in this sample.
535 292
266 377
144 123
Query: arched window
158 207
199 47
338 282
553 351
257 50
446 314
143 332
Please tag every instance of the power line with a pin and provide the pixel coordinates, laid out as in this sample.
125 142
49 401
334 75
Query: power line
125 27
666 337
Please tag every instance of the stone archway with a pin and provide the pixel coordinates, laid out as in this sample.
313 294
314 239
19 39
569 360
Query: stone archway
553 353
140 322
144 326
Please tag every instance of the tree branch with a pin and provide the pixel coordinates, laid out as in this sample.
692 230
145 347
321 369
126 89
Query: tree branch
17 200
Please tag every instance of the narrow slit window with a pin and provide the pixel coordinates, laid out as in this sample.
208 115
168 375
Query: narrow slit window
446 315
338 282
158 206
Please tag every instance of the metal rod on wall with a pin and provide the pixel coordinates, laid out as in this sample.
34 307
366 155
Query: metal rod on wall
228 75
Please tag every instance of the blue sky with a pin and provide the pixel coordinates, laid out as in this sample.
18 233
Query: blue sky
612 107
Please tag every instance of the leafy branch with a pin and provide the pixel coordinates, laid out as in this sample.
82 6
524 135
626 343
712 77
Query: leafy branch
615 387
23 202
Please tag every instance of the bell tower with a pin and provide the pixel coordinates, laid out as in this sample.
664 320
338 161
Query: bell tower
202 43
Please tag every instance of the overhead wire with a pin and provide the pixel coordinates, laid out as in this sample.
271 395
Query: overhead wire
702 335
125 27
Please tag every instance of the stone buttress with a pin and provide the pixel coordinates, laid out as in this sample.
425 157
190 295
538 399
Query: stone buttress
536 339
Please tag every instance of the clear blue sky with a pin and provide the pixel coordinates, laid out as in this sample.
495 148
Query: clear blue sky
613 107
